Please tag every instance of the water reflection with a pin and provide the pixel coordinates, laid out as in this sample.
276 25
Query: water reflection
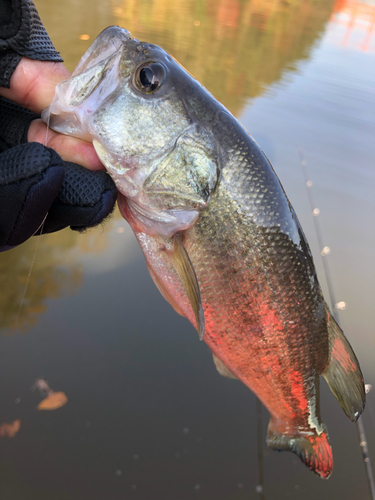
235 49
357 20
51 274
52 266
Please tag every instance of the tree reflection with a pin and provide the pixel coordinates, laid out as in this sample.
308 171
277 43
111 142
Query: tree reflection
53 273
235 48
47 266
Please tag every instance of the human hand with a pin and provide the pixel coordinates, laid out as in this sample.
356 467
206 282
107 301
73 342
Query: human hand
38 181
32 86
34 180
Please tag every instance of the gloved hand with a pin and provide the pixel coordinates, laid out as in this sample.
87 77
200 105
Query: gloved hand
34 180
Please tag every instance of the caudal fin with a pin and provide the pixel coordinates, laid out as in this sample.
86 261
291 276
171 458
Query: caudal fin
343 373
314 451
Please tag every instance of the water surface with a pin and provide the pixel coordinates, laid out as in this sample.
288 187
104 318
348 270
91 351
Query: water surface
148 416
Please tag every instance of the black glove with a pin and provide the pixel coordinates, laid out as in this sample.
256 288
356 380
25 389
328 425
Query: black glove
34 180
22 34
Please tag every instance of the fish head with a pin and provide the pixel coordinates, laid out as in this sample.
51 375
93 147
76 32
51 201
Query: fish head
142 111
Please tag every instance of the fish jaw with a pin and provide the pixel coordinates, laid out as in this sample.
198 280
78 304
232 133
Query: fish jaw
76 99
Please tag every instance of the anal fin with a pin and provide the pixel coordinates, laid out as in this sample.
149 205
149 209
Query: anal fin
313 450
343 373
222 369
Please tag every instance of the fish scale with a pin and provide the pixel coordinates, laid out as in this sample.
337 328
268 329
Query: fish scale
248 288
220 237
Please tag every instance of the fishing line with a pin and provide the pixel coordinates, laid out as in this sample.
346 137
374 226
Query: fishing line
47 129
22 301
259 488
324 251
368 388
366 457
40 229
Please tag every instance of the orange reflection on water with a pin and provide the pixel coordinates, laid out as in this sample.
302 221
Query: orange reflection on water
358 18
228 13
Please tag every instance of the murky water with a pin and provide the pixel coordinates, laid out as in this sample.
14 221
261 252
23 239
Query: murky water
148 416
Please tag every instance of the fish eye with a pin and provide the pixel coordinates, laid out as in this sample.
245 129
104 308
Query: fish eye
150 77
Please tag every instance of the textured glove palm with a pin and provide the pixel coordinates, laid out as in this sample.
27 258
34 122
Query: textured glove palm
36 185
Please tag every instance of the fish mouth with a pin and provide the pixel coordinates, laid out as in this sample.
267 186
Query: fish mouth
104 46
90 83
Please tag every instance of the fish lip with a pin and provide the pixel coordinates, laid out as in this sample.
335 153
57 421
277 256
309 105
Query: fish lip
105 51
106 45
117 28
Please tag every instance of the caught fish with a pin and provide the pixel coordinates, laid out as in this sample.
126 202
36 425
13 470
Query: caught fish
220 237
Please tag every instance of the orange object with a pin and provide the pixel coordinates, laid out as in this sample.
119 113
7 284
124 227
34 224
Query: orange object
10 430
53 401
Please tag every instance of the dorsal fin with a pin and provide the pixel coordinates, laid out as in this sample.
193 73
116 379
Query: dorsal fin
343 373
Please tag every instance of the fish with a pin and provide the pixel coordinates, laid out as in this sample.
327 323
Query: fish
221 240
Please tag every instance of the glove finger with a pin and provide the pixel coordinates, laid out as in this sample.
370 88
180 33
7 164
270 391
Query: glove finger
14 124
85 199
22 34
30 178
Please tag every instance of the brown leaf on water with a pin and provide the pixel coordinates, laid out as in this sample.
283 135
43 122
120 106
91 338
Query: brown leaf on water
53 402
9 430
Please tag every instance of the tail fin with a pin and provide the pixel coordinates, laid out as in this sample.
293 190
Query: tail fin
314 451
343 373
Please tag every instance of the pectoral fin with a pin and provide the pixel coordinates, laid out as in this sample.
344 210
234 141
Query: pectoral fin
343 373
185 270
